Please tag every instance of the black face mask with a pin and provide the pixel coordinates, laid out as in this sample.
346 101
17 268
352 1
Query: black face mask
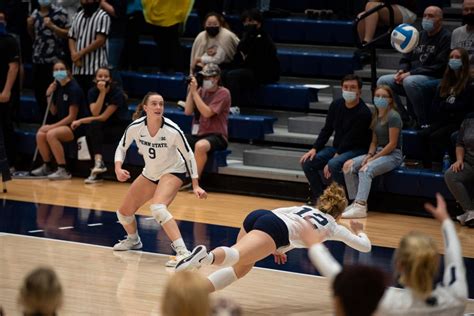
90 8
468 19
250 28
212 31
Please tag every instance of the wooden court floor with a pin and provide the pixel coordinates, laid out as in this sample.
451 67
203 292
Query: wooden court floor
97 281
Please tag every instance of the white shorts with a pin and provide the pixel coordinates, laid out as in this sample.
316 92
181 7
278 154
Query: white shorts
407 15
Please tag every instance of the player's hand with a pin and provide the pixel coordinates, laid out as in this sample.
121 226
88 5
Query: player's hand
309 155
280 258
45 128
102 86
75 56
52 87
48 23
122 174
75 124
5 96
327 172
457 166
199 192
311 236
193 85
440 212
357 227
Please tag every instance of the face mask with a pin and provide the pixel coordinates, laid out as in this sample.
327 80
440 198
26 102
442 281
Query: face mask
60 75
427 24
250 28
468 19
3 28
454 63
207 84
44 3
90 8
381 102
212 31
349 96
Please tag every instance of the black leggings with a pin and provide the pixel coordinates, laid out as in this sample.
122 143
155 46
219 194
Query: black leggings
100 133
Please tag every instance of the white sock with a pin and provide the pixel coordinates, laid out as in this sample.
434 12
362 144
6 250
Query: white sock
133 237
179 245
232 256
223 278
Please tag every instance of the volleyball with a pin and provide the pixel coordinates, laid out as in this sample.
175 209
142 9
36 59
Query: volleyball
404 38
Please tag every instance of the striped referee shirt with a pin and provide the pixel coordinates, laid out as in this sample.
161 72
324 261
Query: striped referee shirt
84 30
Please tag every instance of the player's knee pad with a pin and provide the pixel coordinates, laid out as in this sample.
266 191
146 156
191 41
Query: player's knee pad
223 278
160 213
124 219
232 256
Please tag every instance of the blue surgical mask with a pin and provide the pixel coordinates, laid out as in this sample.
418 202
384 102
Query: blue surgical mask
349 96
427 25
455 64
381 102
3 28
44 3
207 84
60 75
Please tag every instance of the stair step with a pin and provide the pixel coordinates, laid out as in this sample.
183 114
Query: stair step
310 124
273 158
281 135
237 168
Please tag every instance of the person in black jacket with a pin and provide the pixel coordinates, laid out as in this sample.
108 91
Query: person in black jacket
349 118
255 61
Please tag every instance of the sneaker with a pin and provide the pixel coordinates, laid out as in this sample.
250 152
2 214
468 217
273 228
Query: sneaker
193 260
462 218
234 110
128 244
355 210
99 167
60 174
181 104
186 187
93 178
42 171
175 259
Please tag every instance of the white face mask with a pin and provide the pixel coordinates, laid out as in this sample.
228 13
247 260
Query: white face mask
207 84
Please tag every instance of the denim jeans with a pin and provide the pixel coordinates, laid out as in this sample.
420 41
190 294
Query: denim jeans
461 185
418 89
325 157
358 182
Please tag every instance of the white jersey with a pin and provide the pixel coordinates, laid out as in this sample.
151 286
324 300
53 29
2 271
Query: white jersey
166 152
294 218
448 298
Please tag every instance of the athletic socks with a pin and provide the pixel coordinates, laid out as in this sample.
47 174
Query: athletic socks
133 237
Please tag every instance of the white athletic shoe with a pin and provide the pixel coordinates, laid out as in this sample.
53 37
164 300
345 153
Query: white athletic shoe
60 174
180 255
128 244
193 260
355 210
99 167
42 171
462 218
93 178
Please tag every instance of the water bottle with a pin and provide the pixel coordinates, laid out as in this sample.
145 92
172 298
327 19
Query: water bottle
446 162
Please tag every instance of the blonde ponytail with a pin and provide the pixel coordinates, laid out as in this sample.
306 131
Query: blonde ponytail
333 201
139 110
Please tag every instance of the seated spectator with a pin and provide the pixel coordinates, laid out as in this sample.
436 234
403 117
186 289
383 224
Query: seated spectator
67 103
41 293
349 118
460 176
421 69
210 106
255 62
384 155
403 12
452 102
106 104
463 35
216 33
186 294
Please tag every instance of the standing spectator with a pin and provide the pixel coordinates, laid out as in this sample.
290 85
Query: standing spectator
349 118
164 18
67 103
9 67
106 103
210 105
421 69
460 176
384 155
47 27
463 36
256 60
70 6
88 42
216 33
452 102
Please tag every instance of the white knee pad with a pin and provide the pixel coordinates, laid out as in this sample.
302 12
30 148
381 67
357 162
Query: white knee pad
160 213
125 220
223 278
232 256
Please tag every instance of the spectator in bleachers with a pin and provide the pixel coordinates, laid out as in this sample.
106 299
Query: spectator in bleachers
420 71
9 68
41 293
210 106
135 26
88 42
70 6
106 104
255 62
460 176
67 104
48 27
164 18
452 102
403 12
186 294
384 155
349 118
463 36
216 33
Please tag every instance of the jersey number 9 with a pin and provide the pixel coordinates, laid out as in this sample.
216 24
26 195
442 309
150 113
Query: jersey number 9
152 153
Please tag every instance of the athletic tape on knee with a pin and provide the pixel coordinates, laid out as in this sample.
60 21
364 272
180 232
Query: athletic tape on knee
160 213
223 278
232 256
125 220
